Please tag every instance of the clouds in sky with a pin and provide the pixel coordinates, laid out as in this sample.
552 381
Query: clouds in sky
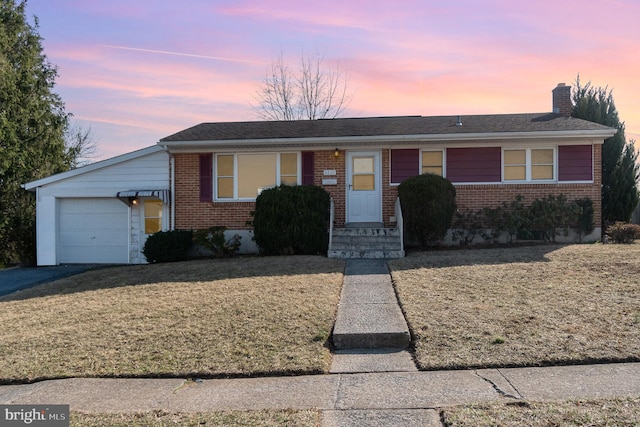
138 71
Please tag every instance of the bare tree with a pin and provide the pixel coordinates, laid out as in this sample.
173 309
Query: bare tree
313 91
80 145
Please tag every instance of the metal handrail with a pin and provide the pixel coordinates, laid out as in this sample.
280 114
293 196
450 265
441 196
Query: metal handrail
331 218
399 222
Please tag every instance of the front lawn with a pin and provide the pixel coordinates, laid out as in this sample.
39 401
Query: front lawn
524 306
223 418
207 318
592 413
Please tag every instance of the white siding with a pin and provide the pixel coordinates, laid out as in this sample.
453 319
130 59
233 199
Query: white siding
46 229
150 172
136 256
146 169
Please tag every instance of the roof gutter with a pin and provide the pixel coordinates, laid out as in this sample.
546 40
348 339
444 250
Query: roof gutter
377 139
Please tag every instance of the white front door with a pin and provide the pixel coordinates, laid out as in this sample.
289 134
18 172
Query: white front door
364 182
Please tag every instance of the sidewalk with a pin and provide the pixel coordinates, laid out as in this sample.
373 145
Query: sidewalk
391 395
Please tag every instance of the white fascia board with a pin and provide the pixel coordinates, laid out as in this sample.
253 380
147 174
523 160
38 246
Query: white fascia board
331 142
92 167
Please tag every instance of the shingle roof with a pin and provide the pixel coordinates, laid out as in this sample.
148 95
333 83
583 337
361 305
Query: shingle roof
384 126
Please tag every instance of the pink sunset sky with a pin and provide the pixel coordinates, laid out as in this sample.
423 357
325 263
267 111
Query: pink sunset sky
137 71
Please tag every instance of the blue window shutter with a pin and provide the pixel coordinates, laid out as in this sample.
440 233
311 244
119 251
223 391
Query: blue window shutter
206 177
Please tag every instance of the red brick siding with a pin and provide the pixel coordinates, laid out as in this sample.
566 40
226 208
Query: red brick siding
561 96
480 196
326 160
492 195
190 212
389 192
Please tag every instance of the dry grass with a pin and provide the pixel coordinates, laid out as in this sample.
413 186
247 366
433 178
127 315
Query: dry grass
240 316
593 413
231 418
522 306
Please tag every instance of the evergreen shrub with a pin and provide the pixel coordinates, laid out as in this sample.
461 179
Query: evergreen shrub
542 220
292 220
467 225
552 214
168 246
585 216
214 240
428 204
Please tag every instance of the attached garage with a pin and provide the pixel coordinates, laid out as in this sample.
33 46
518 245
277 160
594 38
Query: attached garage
102 213
92 231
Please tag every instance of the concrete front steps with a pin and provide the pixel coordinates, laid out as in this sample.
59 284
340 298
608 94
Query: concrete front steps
366 241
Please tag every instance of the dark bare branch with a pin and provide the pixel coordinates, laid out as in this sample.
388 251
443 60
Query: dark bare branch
80 145
316 91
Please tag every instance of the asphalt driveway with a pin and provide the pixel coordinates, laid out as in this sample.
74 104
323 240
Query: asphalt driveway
16 278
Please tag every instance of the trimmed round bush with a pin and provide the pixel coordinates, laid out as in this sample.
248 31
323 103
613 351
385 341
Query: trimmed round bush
292 220
168 246
428 204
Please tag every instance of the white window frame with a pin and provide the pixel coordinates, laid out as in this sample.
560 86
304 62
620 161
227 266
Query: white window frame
145 215
235 197
444 160
528 165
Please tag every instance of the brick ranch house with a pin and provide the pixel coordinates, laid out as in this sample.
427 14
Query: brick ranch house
214 171
221 167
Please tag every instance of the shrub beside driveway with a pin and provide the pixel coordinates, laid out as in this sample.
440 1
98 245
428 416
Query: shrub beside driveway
525 306
238 316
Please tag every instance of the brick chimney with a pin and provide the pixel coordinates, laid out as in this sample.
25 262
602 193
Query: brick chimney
562 100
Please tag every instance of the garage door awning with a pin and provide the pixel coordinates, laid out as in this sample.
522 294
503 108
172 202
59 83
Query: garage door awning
127 196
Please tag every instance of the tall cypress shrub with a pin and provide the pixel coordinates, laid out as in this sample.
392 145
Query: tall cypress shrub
620 171
32 125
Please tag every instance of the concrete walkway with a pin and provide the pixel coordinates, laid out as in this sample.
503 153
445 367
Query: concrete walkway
390 399
369 315
370 333
365 387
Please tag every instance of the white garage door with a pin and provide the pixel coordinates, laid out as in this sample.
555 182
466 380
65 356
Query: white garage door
93 231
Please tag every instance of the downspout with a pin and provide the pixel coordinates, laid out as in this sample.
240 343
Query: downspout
400 222
331 218
129 234
38 244
172 165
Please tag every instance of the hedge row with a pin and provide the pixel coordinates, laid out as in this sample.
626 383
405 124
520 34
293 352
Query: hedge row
543 219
